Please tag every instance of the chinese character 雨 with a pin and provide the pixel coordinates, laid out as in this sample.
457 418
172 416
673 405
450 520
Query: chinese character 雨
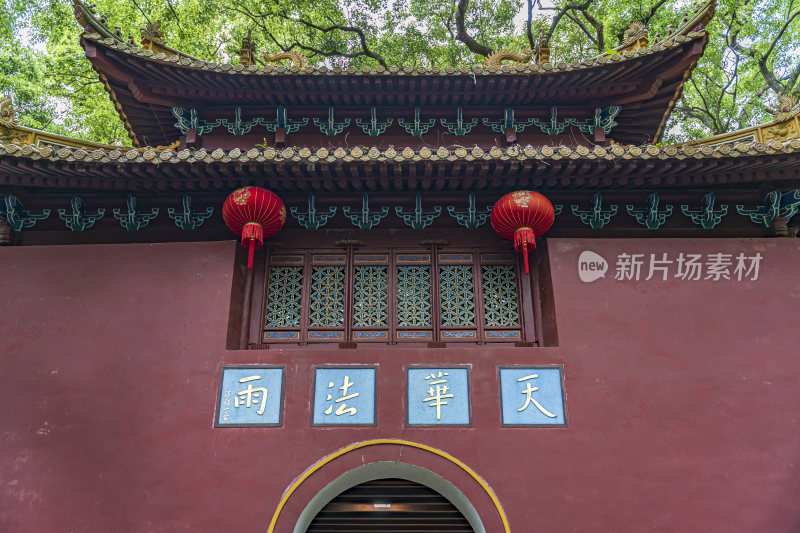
342 409
251 395
438 395
529 399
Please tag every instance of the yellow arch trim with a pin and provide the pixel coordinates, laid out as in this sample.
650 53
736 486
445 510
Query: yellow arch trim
398 442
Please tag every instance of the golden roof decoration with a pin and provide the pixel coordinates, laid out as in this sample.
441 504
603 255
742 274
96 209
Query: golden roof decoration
8 115
784 126
247 53
298 60
12 133
495 59
152 37
636 36
787 105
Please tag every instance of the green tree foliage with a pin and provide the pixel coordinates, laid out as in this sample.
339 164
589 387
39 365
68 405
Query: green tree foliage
753 52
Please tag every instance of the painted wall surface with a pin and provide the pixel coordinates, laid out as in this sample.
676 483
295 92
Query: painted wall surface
682 400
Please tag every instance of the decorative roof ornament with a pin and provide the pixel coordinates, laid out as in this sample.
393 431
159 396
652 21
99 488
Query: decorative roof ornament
542 55
312 219
602 119
331 127
247 53
152 38
188 218
651 216
238 126
364 219
297 59
776 205
374 127
8 115
596 217
188 120
553 126
471 218
79 219
416 127
787 106
91 21
418 219
282 122
636 36
706 217
508 125
134 219
495 59
19 218
459 127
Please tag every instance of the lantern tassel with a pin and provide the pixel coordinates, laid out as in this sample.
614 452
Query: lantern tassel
522 238
252 250
253 236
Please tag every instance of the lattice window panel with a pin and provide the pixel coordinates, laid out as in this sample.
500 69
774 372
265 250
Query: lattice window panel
327 296
456 291
285 291
369 296
500 306
413 296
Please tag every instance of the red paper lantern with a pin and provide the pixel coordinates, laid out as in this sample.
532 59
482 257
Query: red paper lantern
522 216
254 214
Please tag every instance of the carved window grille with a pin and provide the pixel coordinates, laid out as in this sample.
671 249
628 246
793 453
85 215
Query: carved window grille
393 296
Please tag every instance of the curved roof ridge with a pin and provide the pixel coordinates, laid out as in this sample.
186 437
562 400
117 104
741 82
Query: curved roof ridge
181 60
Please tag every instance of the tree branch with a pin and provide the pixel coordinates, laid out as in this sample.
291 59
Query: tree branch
528 22
281 13
461 31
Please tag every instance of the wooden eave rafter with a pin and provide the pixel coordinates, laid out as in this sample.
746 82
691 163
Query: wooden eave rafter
690 167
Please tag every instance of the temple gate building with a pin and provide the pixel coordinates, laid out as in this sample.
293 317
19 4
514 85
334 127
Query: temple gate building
387 364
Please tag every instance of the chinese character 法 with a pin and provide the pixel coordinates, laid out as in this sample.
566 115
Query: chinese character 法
342 409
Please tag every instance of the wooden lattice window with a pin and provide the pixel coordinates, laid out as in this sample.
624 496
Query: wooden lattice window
393 296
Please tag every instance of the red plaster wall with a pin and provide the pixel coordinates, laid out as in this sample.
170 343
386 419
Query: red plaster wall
682 400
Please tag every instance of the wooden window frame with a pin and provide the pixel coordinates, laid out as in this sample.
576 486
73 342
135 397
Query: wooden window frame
526 300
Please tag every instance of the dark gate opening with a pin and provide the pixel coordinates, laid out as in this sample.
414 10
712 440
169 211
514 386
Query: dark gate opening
389 505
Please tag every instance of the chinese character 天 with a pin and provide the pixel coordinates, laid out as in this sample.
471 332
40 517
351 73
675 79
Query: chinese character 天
532 396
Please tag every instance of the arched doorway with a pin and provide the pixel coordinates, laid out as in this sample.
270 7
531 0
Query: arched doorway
389 505
405 480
